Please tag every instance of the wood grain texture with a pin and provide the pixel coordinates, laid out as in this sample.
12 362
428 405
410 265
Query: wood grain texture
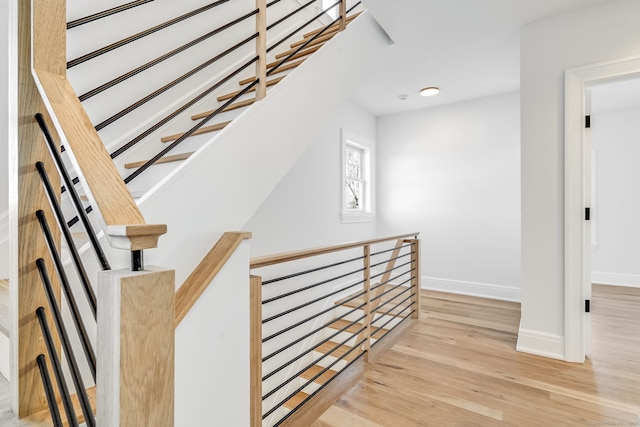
269 83
457 365
205 272
326 397
147 350
261 49
416 282
265 261
107 187
231 107
303 52
31 149
165 159
255 324
50 36
281 69
334 27
327 35
202 130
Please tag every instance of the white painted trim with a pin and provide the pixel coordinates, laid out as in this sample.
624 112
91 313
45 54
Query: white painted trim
541 344
483 290
4 355
616 279
577 251
4 225
350 218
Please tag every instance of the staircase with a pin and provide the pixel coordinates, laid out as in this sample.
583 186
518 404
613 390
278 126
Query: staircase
348 325
215 181
284 63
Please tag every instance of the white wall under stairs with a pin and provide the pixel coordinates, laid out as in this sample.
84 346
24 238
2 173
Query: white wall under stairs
221 186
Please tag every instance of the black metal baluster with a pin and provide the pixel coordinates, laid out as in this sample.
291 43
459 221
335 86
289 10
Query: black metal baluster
102 259
66 346
73 306
57 368
48 391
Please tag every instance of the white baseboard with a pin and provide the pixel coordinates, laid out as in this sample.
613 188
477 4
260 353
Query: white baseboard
483 290
540 343
629 280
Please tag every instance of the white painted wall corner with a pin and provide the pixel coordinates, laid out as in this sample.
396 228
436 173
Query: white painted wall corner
4 245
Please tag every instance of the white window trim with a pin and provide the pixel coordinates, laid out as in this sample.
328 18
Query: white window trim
367 214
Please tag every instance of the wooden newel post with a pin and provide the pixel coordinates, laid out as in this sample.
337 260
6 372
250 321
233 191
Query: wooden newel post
256 350
343 15
135 373
368 315
261 49
415 282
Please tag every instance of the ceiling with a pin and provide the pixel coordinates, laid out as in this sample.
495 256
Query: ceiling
468 48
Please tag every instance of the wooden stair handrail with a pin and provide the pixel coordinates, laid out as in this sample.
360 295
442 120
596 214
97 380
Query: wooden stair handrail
205 272
105 185
265 261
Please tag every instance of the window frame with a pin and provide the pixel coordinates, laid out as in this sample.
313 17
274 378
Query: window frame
366 147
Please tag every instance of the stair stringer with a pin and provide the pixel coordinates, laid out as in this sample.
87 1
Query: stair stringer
224 183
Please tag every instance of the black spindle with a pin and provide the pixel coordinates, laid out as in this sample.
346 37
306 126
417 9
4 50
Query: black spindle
48 391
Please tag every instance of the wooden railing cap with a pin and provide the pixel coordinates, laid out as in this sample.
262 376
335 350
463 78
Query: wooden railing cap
137 236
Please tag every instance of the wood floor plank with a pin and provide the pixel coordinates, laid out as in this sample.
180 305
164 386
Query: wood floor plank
457 366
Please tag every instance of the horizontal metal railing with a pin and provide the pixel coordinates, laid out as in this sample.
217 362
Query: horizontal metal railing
278 19
324 309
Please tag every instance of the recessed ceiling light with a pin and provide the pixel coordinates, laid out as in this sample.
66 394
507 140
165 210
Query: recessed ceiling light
429 91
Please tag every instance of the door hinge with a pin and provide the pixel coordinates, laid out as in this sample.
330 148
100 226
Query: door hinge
587 214
587 122
587 306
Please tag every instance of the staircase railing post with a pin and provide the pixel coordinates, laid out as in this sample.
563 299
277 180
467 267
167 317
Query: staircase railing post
261 49
343 14
27 148
135 383
415 281
368 315
256 350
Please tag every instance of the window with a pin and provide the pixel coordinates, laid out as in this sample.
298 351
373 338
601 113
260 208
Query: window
333 12
357 185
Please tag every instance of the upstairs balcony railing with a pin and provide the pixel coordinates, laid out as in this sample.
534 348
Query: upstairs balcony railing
318 314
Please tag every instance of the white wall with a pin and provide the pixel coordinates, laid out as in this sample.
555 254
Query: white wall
303 210
615 139
593 35
4 135
453 174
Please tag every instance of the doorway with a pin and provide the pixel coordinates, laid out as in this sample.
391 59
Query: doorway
578 198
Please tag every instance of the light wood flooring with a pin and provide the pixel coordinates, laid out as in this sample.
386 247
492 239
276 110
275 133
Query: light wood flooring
458 367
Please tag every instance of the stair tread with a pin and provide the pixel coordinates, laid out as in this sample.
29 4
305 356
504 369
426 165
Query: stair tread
332 27
166 159
302 53
202 130
315 370
231 107
310 50
327 35
338 352
357 302
253 89
285 67
295 400
356 327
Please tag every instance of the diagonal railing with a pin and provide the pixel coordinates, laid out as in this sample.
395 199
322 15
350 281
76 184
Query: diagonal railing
51 111
318 313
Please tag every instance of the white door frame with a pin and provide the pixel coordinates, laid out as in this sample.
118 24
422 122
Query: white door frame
576 249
